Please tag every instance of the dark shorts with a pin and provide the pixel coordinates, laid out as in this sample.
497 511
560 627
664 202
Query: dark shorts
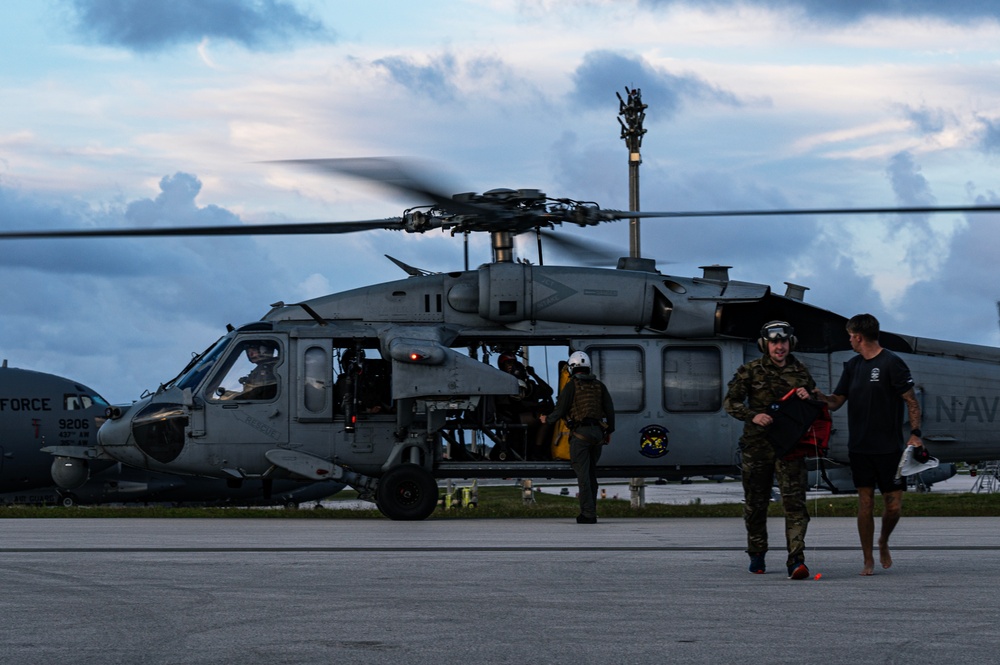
877 470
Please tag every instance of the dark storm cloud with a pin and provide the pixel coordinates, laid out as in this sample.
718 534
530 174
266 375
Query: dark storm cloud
603 72
851 11
154 25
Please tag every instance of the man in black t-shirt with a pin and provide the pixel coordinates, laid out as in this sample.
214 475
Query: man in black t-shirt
878 385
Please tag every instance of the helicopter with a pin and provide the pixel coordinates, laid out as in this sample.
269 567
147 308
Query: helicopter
389 388
37 409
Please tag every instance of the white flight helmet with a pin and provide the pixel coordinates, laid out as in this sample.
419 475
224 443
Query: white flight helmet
579 360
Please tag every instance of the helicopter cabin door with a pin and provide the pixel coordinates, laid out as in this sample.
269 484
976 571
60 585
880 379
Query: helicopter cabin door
246 402
314 387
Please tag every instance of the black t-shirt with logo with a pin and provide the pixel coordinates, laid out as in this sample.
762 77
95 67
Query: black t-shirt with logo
874 407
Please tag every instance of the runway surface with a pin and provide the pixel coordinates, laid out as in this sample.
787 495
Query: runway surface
487 591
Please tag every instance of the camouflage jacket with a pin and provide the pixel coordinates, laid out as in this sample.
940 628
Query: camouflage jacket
759 383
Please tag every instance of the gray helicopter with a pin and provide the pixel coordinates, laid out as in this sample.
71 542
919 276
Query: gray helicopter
39 409
388 388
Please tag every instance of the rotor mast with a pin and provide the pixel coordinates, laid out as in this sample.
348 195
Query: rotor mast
503 246
634 112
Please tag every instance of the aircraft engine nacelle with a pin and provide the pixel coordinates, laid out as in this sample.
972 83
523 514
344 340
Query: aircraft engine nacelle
69 473
510 292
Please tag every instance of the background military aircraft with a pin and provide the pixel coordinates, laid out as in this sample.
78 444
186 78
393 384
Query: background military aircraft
418 406
38 410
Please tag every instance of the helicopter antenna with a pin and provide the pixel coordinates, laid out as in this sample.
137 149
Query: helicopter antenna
633 112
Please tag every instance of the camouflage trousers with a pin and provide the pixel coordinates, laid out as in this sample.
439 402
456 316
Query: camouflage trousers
760 469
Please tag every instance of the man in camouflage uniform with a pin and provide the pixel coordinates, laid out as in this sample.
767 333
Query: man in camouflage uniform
586 405
756 386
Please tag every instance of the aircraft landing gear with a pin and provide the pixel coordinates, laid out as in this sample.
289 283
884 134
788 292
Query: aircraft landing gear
407 492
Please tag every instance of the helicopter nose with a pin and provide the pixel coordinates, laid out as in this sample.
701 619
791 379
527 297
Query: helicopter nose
154 431
158 430
115 439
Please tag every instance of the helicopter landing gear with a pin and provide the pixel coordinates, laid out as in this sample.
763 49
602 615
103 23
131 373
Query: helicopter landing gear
407 492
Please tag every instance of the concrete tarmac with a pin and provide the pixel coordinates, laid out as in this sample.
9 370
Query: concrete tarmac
276 591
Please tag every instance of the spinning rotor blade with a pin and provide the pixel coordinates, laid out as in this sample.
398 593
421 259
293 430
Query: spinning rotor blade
308 228
395 173
588 252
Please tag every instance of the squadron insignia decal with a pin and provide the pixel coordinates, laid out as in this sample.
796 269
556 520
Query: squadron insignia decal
653 441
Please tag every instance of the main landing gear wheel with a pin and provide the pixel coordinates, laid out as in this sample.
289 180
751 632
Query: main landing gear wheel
407 492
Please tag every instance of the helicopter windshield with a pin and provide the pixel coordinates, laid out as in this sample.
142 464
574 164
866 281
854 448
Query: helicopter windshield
197 368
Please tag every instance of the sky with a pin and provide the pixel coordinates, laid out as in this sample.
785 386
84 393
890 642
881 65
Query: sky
133 113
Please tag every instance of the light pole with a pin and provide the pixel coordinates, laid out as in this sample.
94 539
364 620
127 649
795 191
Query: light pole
631 113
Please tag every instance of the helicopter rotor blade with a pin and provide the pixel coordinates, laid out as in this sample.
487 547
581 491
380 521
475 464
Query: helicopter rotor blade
395 173
306 228
904 210
588 252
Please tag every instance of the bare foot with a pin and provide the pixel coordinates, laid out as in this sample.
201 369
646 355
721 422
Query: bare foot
884 555
869 568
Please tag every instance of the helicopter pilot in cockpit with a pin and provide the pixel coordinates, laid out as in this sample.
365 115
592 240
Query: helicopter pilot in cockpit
261 383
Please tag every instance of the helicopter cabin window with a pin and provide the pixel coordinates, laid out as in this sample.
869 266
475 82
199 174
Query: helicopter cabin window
316 378
692 379
621 369
249 372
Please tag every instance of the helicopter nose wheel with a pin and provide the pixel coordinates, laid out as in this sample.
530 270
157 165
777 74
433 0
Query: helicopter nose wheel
407 492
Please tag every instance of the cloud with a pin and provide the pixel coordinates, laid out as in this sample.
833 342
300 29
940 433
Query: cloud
434 79
122 314
911 188
175 206
989 136
927 120
603 72
143 26
852 11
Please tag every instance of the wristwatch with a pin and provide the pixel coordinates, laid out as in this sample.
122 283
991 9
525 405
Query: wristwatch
916 432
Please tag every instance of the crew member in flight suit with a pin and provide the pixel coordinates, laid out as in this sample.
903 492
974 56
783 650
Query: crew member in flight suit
756 385
586 405
261 383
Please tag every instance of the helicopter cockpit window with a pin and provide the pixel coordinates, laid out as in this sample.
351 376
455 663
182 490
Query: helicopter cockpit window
199 366
249 373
